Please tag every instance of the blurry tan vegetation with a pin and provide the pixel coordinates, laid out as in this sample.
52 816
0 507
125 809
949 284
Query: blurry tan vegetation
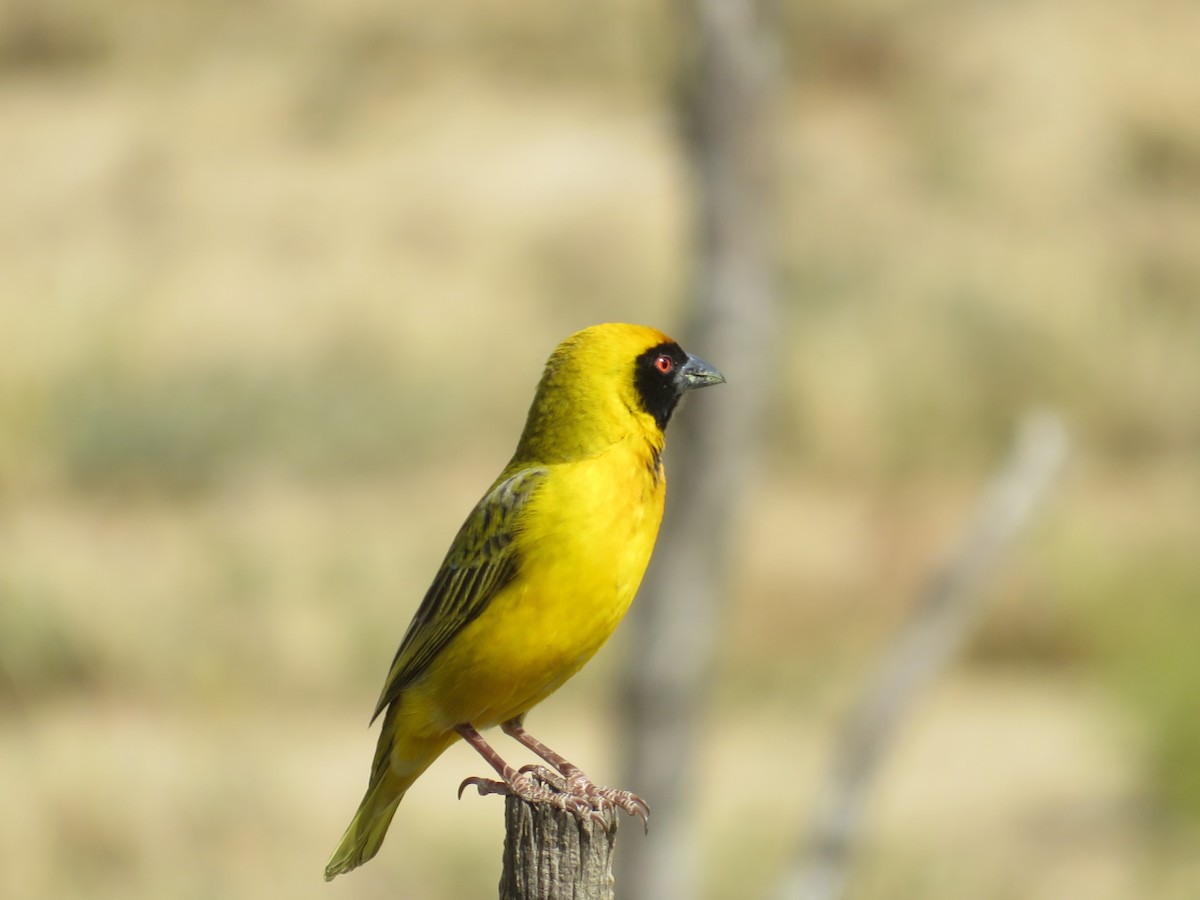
275 284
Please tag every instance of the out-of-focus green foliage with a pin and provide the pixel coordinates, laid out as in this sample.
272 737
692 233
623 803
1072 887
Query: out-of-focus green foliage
1148 625
344 416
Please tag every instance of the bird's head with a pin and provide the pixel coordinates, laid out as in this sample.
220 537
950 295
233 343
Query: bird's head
604 381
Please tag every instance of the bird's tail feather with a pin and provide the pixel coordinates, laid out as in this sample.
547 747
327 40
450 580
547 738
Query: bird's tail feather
369 825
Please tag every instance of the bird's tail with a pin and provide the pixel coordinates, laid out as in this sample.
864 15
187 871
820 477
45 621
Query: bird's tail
369 825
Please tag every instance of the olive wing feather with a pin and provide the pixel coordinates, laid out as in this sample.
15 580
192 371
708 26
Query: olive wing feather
481 561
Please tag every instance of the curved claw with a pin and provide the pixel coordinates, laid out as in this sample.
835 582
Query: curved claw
633 805
641 811
485 786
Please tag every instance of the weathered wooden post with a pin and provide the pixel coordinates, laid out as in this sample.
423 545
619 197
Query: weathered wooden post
550 855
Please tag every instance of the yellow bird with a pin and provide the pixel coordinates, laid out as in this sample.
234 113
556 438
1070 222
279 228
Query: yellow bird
537 578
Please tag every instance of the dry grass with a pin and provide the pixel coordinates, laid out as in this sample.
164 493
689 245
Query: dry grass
275 284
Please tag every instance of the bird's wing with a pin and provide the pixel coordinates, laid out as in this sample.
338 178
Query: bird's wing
481 561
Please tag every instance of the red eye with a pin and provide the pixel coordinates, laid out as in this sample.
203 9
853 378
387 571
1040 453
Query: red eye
664 364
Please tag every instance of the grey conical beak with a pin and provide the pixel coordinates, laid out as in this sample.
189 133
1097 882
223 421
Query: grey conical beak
696 373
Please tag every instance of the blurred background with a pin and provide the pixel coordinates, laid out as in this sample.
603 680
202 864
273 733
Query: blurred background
276 283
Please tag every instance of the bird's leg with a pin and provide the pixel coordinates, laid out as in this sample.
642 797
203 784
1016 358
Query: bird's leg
573 780
517 784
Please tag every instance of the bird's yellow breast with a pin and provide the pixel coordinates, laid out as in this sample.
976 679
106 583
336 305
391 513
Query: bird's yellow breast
584 542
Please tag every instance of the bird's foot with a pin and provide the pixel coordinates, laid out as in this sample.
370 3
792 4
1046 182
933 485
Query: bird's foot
597 798
534 789
548 777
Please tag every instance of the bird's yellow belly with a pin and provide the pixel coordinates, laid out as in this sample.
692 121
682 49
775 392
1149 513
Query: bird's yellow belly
576 581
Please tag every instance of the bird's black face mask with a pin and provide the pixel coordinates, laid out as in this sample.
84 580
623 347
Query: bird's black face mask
664 373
